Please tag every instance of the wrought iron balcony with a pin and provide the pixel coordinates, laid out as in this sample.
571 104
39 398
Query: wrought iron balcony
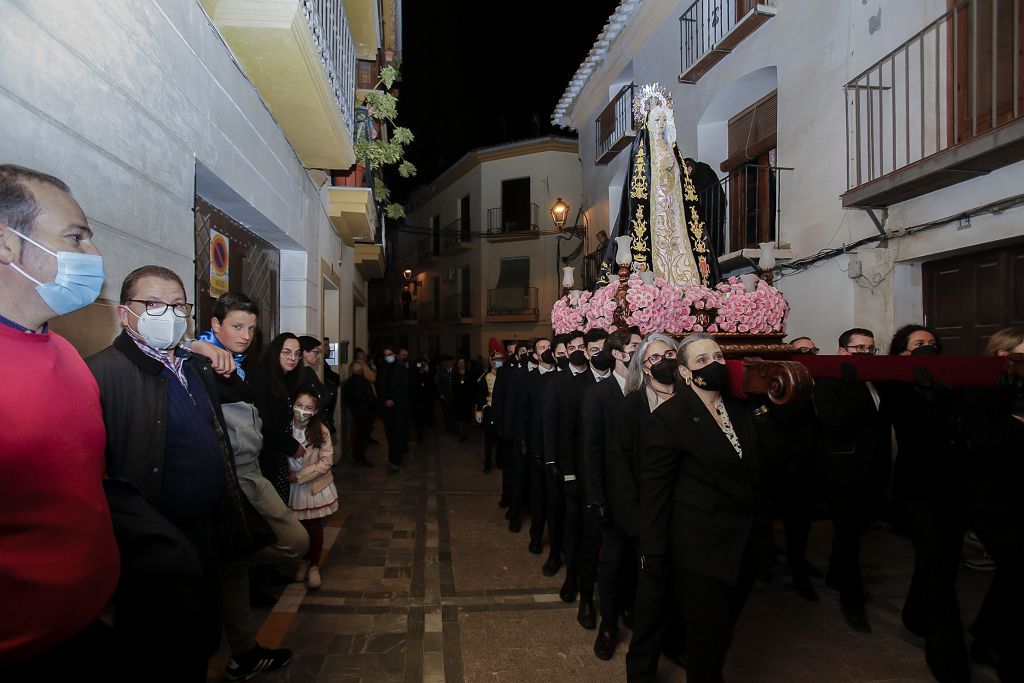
301 58
456 236
512 221
711 29
456 308
945 106
615 126
513 304
744 208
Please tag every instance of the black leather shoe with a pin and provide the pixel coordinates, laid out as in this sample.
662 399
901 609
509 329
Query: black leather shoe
856 618
569 588
551 567
585 615
604 646
514 525
535 547
805 589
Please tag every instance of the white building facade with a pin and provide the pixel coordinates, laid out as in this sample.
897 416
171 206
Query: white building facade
482 254
168 129
861 121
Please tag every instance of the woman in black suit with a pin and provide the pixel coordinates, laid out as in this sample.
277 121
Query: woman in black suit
650 382
704 517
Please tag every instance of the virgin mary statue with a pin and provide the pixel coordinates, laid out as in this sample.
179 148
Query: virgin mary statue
659 204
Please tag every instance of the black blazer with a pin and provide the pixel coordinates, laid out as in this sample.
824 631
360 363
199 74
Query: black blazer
504 402
700 501
624 461
855 446
597 436
561 422
531 411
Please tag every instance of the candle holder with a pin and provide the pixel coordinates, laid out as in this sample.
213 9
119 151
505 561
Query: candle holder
623 257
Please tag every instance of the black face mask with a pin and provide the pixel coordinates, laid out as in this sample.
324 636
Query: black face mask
548 357
713 377
602 360
578 358
513 361
664 371
563 363
925 351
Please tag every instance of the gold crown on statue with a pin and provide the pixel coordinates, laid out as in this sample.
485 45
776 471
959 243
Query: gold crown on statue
647 97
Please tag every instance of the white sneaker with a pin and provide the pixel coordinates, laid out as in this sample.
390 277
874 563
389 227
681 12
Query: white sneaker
313 580
300 573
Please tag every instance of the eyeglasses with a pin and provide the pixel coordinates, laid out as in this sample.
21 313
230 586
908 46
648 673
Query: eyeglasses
291 354
861 348
812 350
656 358
158 307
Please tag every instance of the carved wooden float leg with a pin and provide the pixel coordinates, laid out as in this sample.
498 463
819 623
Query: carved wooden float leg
784 381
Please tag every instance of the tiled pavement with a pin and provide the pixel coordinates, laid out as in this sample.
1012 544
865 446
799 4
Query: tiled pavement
422 582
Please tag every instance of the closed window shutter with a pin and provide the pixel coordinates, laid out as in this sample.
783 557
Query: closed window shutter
752 132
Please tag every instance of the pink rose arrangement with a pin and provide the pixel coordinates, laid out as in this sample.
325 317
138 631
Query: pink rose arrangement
661 307
761 311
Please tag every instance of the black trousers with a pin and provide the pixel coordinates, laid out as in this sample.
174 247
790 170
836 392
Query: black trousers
999 624
490 436
361 438
396 428
547 508
616 578
422 419
658 625
582 541
710 608
518 470
87 657
849 520
931 608
796 500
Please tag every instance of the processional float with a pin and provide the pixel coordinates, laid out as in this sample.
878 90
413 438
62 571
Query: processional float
659 273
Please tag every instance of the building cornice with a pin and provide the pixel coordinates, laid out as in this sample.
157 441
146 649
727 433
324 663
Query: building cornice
616 23
474 158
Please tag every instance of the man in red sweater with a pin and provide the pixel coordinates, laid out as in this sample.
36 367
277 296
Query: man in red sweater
59 560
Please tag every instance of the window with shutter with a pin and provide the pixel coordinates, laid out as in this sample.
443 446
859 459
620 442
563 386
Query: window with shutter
753 200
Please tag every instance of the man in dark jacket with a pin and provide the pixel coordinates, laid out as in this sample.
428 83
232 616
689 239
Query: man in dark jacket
393 393
507 385
166 436
531 446
598 419
855 462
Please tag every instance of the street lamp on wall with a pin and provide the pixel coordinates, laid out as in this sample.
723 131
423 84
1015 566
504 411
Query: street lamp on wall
559 212
408 274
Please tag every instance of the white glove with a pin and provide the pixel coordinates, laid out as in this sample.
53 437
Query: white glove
479 415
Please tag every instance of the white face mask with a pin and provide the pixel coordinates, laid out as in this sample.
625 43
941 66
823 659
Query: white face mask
302 416
161 331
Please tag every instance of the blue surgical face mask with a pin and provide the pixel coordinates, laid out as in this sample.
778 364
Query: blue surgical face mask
78 282
498 364
389 359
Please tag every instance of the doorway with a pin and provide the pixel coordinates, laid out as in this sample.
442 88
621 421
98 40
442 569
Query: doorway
970 296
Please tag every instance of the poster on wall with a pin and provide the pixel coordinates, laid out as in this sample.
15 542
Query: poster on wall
219 260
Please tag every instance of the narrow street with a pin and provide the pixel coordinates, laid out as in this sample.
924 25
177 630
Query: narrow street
423 582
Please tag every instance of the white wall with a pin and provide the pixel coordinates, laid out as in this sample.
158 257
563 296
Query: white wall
120 99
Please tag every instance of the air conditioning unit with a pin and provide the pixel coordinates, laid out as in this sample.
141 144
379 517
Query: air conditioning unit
451 274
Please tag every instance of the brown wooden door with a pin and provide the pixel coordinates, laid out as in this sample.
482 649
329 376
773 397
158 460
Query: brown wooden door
968 297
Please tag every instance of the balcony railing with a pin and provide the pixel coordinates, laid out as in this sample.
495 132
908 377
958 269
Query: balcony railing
615 127
455 237
744 208
514 303
333 37
456 307
943 107
506 220
711 29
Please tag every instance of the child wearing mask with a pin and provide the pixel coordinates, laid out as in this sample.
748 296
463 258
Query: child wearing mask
313 495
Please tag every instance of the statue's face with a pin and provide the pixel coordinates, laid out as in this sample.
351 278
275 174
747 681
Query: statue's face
658 121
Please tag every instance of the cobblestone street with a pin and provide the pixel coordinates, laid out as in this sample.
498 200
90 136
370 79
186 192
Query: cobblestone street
422 582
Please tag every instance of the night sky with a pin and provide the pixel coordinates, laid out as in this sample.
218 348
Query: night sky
484 72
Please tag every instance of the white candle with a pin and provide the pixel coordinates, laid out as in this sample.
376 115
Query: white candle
567 279
767 260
